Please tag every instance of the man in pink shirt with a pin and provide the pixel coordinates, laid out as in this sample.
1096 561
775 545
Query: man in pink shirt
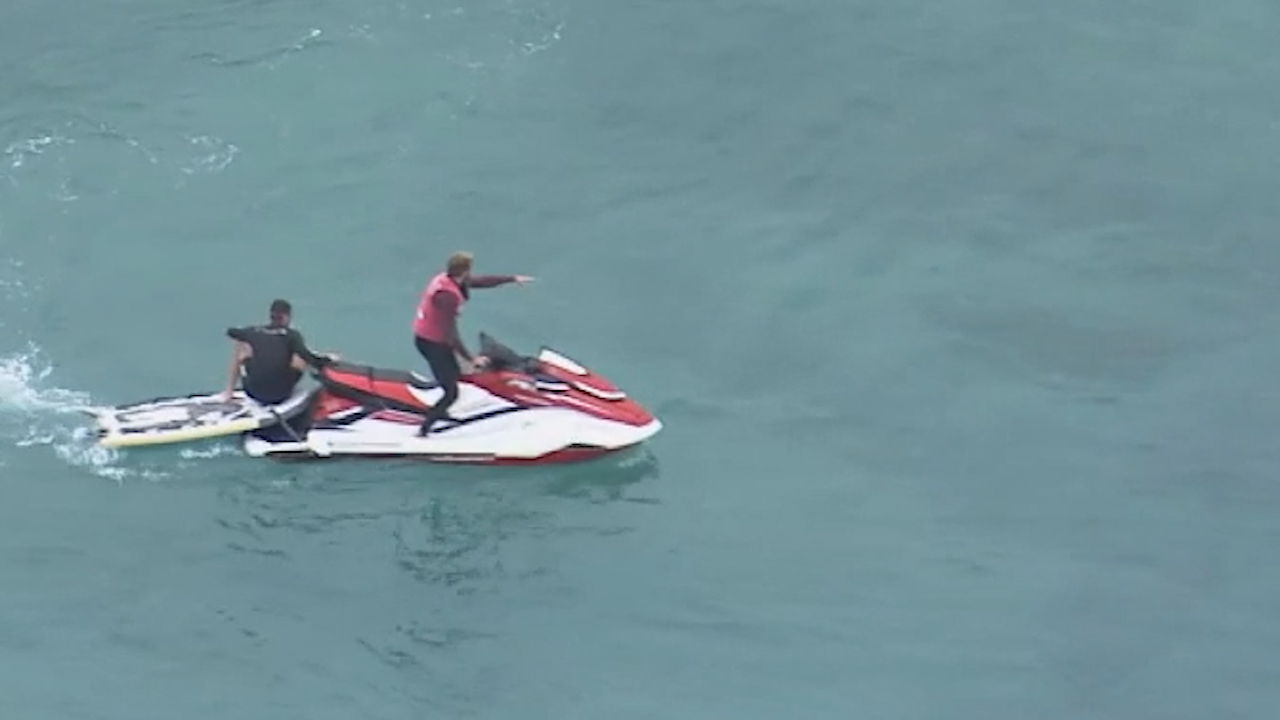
435 327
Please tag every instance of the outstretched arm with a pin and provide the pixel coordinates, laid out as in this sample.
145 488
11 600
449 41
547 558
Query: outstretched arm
298 346
489 281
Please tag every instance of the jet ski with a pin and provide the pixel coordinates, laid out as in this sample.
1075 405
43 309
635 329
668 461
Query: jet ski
518 410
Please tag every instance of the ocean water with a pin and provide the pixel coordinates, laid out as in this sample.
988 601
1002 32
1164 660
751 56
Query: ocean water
961 317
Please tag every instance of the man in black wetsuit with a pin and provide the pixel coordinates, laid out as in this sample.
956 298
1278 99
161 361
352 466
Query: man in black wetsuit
273 357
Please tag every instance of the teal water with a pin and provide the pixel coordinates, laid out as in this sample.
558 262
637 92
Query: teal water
960 315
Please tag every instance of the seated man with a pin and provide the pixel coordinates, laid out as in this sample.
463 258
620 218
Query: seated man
272 356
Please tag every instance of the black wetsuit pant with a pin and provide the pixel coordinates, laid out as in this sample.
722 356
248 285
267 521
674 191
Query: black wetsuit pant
272 386
445 369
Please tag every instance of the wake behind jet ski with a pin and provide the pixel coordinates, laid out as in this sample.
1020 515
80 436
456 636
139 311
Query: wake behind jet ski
519 410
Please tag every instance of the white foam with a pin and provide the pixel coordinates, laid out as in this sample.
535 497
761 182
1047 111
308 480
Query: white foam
18 153
35 412
215 154
213 451
24 386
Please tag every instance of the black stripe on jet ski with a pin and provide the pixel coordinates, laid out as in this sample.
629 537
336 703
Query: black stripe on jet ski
369 399
459 422
350 418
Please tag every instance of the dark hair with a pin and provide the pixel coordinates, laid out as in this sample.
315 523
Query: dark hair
280 309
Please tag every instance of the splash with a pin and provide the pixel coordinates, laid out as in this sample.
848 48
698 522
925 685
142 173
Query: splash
215 154
18 153
214 451
24 387
34 412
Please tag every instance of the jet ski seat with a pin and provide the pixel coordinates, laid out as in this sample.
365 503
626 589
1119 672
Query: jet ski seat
380 374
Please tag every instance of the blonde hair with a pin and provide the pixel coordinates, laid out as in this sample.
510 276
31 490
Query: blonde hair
459 263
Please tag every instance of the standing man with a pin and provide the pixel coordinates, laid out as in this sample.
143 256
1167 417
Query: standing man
435 329
272 356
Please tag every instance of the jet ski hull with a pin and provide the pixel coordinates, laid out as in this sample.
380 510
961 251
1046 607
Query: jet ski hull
526 410
507 441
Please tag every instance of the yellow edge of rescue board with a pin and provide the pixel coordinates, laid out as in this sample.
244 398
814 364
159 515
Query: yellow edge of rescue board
178 436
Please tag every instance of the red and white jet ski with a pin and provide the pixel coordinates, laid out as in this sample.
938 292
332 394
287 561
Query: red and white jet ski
519 410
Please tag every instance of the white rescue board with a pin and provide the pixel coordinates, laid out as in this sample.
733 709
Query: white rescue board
164 421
